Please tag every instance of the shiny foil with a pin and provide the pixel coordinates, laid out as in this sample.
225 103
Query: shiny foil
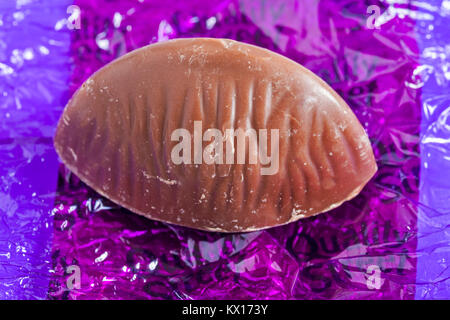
380 56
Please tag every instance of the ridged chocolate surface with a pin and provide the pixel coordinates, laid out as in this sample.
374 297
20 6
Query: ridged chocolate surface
115 134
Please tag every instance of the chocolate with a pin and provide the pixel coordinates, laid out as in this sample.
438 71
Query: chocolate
216 135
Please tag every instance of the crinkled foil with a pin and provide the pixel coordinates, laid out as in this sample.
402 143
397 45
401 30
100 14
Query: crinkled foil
34 73
372 247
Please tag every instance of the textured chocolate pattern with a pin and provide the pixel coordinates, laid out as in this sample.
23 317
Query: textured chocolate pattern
115 134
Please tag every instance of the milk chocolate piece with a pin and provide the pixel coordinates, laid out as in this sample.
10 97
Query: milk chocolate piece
117 134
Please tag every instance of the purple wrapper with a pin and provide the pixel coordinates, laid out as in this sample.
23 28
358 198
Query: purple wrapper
363 249
433 274
59 239
34 73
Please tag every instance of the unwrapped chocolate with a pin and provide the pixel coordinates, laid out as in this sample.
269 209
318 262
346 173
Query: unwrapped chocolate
214 134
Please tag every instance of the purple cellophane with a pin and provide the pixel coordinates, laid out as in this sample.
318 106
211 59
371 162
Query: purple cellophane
122 255
365 249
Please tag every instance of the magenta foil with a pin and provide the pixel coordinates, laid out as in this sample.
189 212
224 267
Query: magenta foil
365 249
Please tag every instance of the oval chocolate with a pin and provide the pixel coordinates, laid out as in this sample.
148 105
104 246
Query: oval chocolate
216 135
